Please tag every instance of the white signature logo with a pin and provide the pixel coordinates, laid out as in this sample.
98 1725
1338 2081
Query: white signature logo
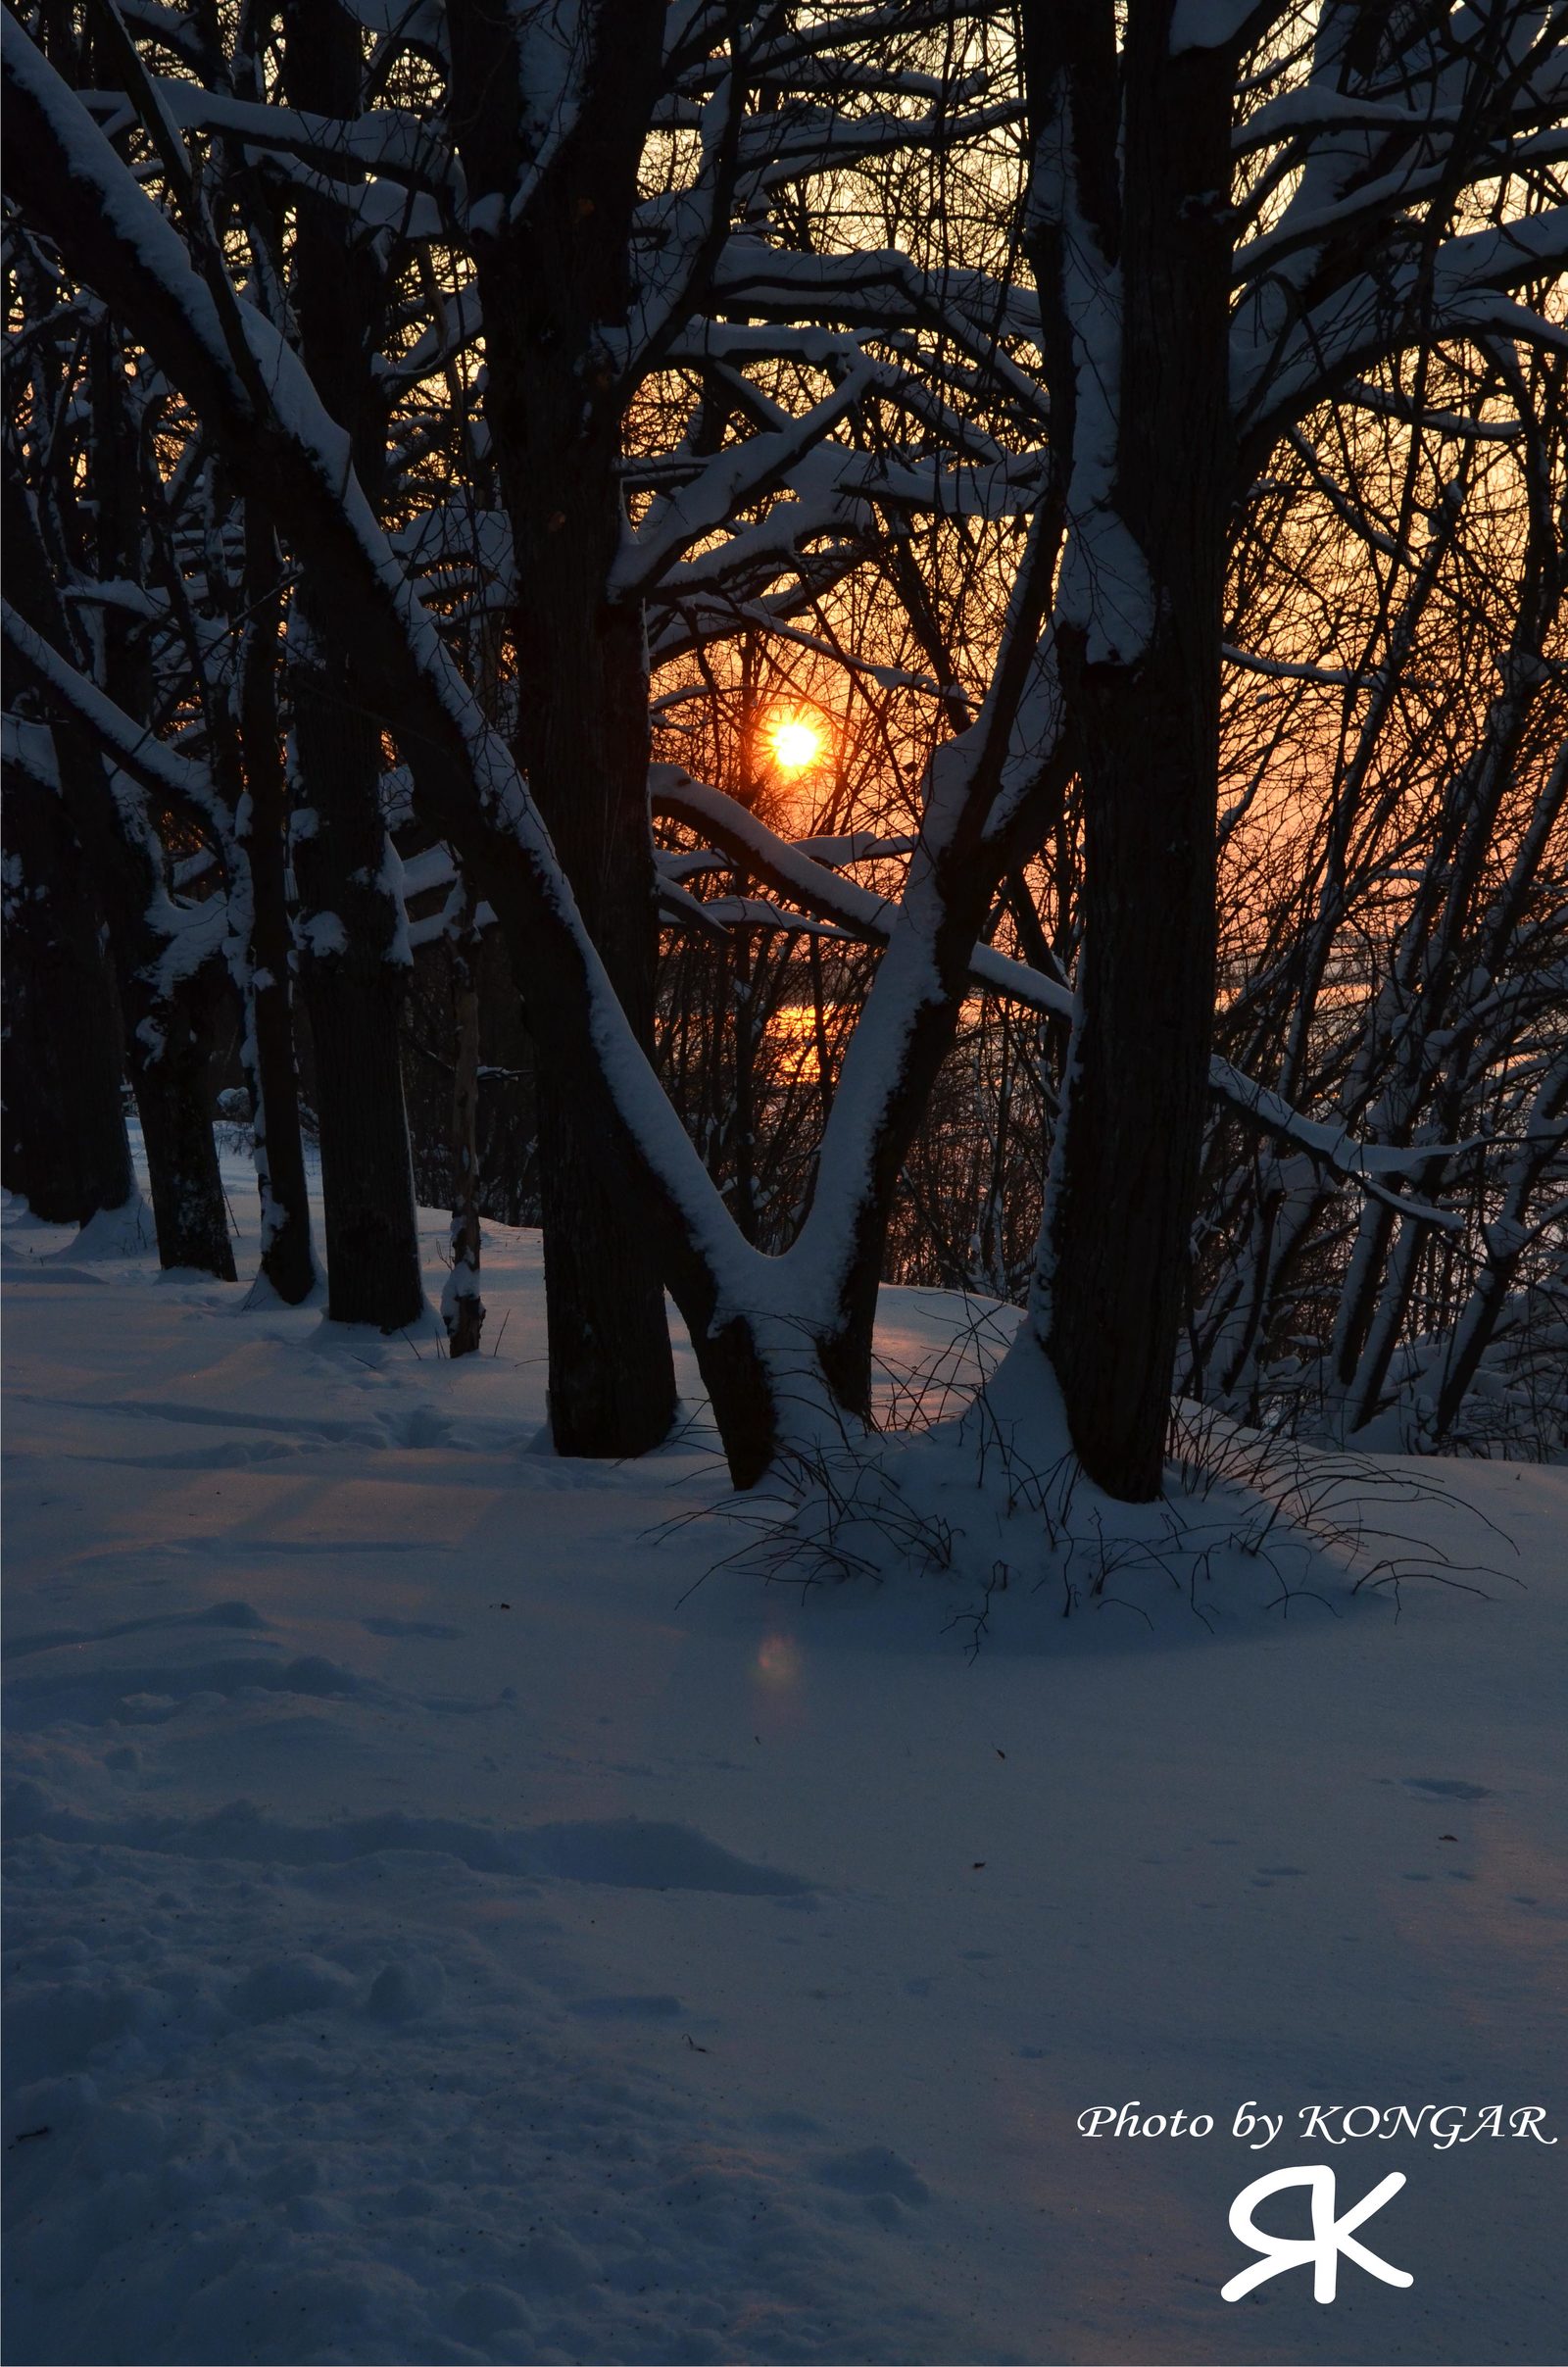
1329 2237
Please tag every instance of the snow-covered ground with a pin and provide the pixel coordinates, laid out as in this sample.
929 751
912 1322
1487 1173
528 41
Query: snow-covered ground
439 1930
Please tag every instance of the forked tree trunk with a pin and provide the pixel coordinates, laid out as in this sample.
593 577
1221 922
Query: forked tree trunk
62 1143
954 875
1149 745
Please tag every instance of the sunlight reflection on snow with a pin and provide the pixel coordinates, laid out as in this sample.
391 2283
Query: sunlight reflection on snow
779 1660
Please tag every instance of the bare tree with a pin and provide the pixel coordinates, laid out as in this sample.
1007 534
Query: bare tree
1181 316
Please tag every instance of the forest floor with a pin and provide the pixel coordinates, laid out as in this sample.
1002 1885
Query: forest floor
450 1919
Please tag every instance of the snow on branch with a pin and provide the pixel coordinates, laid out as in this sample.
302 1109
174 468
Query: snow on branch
128 744
1391 404
737 475
759 852
797 141
880 288
1275 379
1287 669
1220 24
862 913
280 442
1372 1165
385 140
697 607
28 748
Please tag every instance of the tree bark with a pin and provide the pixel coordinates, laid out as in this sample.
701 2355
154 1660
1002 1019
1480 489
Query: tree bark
352 978
166 1006
1149 738
169 1042
169 1018
553 283
62 1143
287 1258
461 1307
352 962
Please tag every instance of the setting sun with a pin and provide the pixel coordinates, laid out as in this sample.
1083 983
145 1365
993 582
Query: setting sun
795 745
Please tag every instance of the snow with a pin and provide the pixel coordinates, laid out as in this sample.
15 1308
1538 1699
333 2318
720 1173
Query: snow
451 1919
1209 24
324 935
1104 590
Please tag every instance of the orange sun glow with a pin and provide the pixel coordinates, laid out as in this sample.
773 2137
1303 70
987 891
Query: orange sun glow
796 744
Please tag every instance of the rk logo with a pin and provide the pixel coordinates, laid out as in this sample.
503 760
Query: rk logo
1329 2237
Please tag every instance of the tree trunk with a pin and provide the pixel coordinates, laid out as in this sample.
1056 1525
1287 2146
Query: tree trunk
583 737
371 1242
555 282
62 1143
352 955
353 978
287 1258
1148 736
1506 1239
168 1042
167 1018
461 1307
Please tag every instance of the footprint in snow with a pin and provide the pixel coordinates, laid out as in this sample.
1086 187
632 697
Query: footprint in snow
883 2179
422 1426
1444 1787
406 1992
303 1983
